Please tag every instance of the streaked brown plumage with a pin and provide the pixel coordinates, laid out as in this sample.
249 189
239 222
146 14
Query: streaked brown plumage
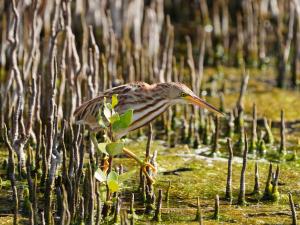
147 102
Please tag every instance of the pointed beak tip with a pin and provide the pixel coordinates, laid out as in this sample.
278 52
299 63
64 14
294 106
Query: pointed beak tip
217 112
199 102
221 114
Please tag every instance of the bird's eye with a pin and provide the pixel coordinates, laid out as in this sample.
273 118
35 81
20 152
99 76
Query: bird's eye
183 94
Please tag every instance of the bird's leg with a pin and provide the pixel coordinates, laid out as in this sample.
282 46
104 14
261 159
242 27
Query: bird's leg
144 164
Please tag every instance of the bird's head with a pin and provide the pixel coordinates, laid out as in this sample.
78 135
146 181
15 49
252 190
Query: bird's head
180 93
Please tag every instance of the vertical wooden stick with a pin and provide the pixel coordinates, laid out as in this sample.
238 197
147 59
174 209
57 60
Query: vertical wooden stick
228 194
267 192
241 198
256 189
216 215
253 144
215 149
282 149
199 212
294 214
157 215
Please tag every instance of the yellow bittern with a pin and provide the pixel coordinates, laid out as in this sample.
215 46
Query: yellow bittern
147 102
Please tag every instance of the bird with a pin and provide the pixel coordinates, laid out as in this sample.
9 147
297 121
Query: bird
147 101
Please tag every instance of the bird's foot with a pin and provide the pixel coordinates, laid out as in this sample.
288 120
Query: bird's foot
145 167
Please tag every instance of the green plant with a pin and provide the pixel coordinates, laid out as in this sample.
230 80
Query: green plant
111 122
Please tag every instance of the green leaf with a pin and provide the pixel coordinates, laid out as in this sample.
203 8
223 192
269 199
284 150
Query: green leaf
107 113
114 148
115 117
113 176
114 100
112 181
113 186
102 147
124 122
127 117
100 175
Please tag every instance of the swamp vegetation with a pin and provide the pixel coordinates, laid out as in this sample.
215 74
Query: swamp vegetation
241 56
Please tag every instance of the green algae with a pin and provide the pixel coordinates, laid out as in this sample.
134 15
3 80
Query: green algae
207 178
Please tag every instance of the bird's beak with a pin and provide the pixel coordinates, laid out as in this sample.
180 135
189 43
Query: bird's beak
203 104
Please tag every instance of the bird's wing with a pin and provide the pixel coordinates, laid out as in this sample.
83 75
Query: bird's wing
88 109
